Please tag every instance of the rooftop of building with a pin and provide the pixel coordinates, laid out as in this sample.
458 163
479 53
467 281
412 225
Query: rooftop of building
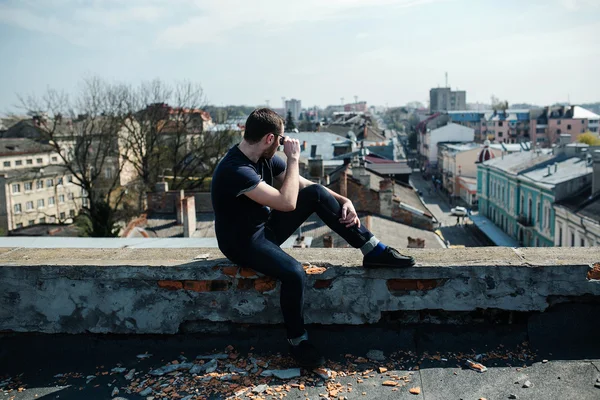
558 170
22 146
583 204
48 171
519 162
529 316
323 140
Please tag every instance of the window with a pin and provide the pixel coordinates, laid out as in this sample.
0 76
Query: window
17 208
572 239
108 173
69 178
558 122
19 225
41 203
43 220
16 188
70 196
51 201
568 127
28 186
84 202
39 184
31 222
6 164
29 161
560 235
29 205
537 242
54 159
72 213
62 215
49 182
38 160
500 123
60 181
582 242
61 198
499 134
18 162
558 131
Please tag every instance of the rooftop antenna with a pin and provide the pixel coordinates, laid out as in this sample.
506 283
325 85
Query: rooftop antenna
446 79
342 100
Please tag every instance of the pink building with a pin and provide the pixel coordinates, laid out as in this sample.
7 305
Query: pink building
547 124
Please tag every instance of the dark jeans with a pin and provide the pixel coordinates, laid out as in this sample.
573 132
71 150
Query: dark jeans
265 256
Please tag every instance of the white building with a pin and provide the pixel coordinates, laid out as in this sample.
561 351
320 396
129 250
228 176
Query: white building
428 145
295 107
577 218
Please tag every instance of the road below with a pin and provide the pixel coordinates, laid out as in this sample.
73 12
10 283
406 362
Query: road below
440 208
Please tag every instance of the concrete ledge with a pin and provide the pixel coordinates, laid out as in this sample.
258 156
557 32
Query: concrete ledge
164 290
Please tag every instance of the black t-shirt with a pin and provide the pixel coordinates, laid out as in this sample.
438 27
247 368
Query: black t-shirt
237 217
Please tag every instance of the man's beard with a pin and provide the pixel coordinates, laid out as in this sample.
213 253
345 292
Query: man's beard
270 152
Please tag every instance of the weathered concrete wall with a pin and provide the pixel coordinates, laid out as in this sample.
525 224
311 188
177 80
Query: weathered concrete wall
162 290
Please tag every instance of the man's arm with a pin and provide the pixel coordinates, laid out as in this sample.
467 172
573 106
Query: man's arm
285 198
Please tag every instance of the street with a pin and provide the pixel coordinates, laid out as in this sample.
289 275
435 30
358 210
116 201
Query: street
440 208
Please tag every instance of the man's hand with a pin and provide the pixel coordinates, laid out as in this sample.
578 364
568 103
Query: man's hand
291 148
349 217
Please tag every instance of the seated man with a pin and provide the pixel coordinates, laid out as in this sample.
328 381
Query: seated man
253 218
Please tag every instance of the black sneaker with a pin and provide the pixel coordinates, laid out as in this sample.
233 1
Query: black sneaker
307 355
388 258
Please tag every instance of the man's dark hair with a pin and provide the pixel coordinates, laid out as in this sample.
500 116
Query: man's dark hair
261 122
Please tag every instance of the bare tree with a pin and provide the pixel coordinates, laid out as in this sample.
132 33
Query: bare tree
166 131
84 132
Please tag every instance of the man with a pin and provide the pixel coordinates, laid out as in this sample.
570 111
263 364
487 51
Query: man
260 201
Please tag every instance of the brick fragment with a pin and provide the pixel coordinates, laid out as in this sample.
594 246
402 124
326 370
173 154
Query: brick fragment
207 286
247 273
170 285
230 271
265 284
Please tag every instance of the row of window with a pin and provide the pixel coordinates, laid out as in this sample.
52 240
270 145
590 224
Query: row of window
41 203
28 161
51 219
28 186
582 242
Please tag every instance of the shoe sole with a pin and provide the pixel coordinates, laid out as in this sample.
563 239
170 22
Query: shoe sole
406 265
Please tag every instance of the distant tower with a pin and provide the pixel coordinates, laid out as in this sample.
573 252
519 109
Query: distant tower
267 101
446 79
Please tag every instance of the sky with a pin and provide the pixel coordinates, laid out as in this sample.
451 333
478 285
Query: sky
386 52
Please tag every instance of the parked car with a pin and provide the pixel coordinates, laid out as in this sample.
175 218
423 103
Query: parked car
459 211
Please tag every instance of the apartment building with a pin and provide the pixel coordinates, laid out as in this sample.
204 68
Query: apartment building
38 195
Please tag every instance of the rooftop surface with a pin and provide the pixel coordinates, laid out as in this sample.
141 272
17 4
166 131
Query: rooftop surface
544 359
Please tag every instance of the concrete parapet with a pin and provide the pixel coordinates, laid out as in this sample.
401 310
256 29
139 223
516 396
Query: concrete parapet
124 290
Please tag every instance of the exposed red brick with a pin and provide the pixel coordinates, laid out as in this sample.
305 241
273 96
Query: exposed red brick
207 286
171 285
245 284
197 286
247 273
230 271
395 285
323 283
265 284
594 273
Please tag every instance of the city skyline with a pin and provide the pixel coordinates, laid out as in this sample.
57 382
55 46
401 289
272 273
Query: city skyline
385 51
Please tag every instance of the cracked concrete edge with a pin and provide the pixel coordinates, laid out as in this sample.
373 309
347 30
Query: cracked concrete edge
347 257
